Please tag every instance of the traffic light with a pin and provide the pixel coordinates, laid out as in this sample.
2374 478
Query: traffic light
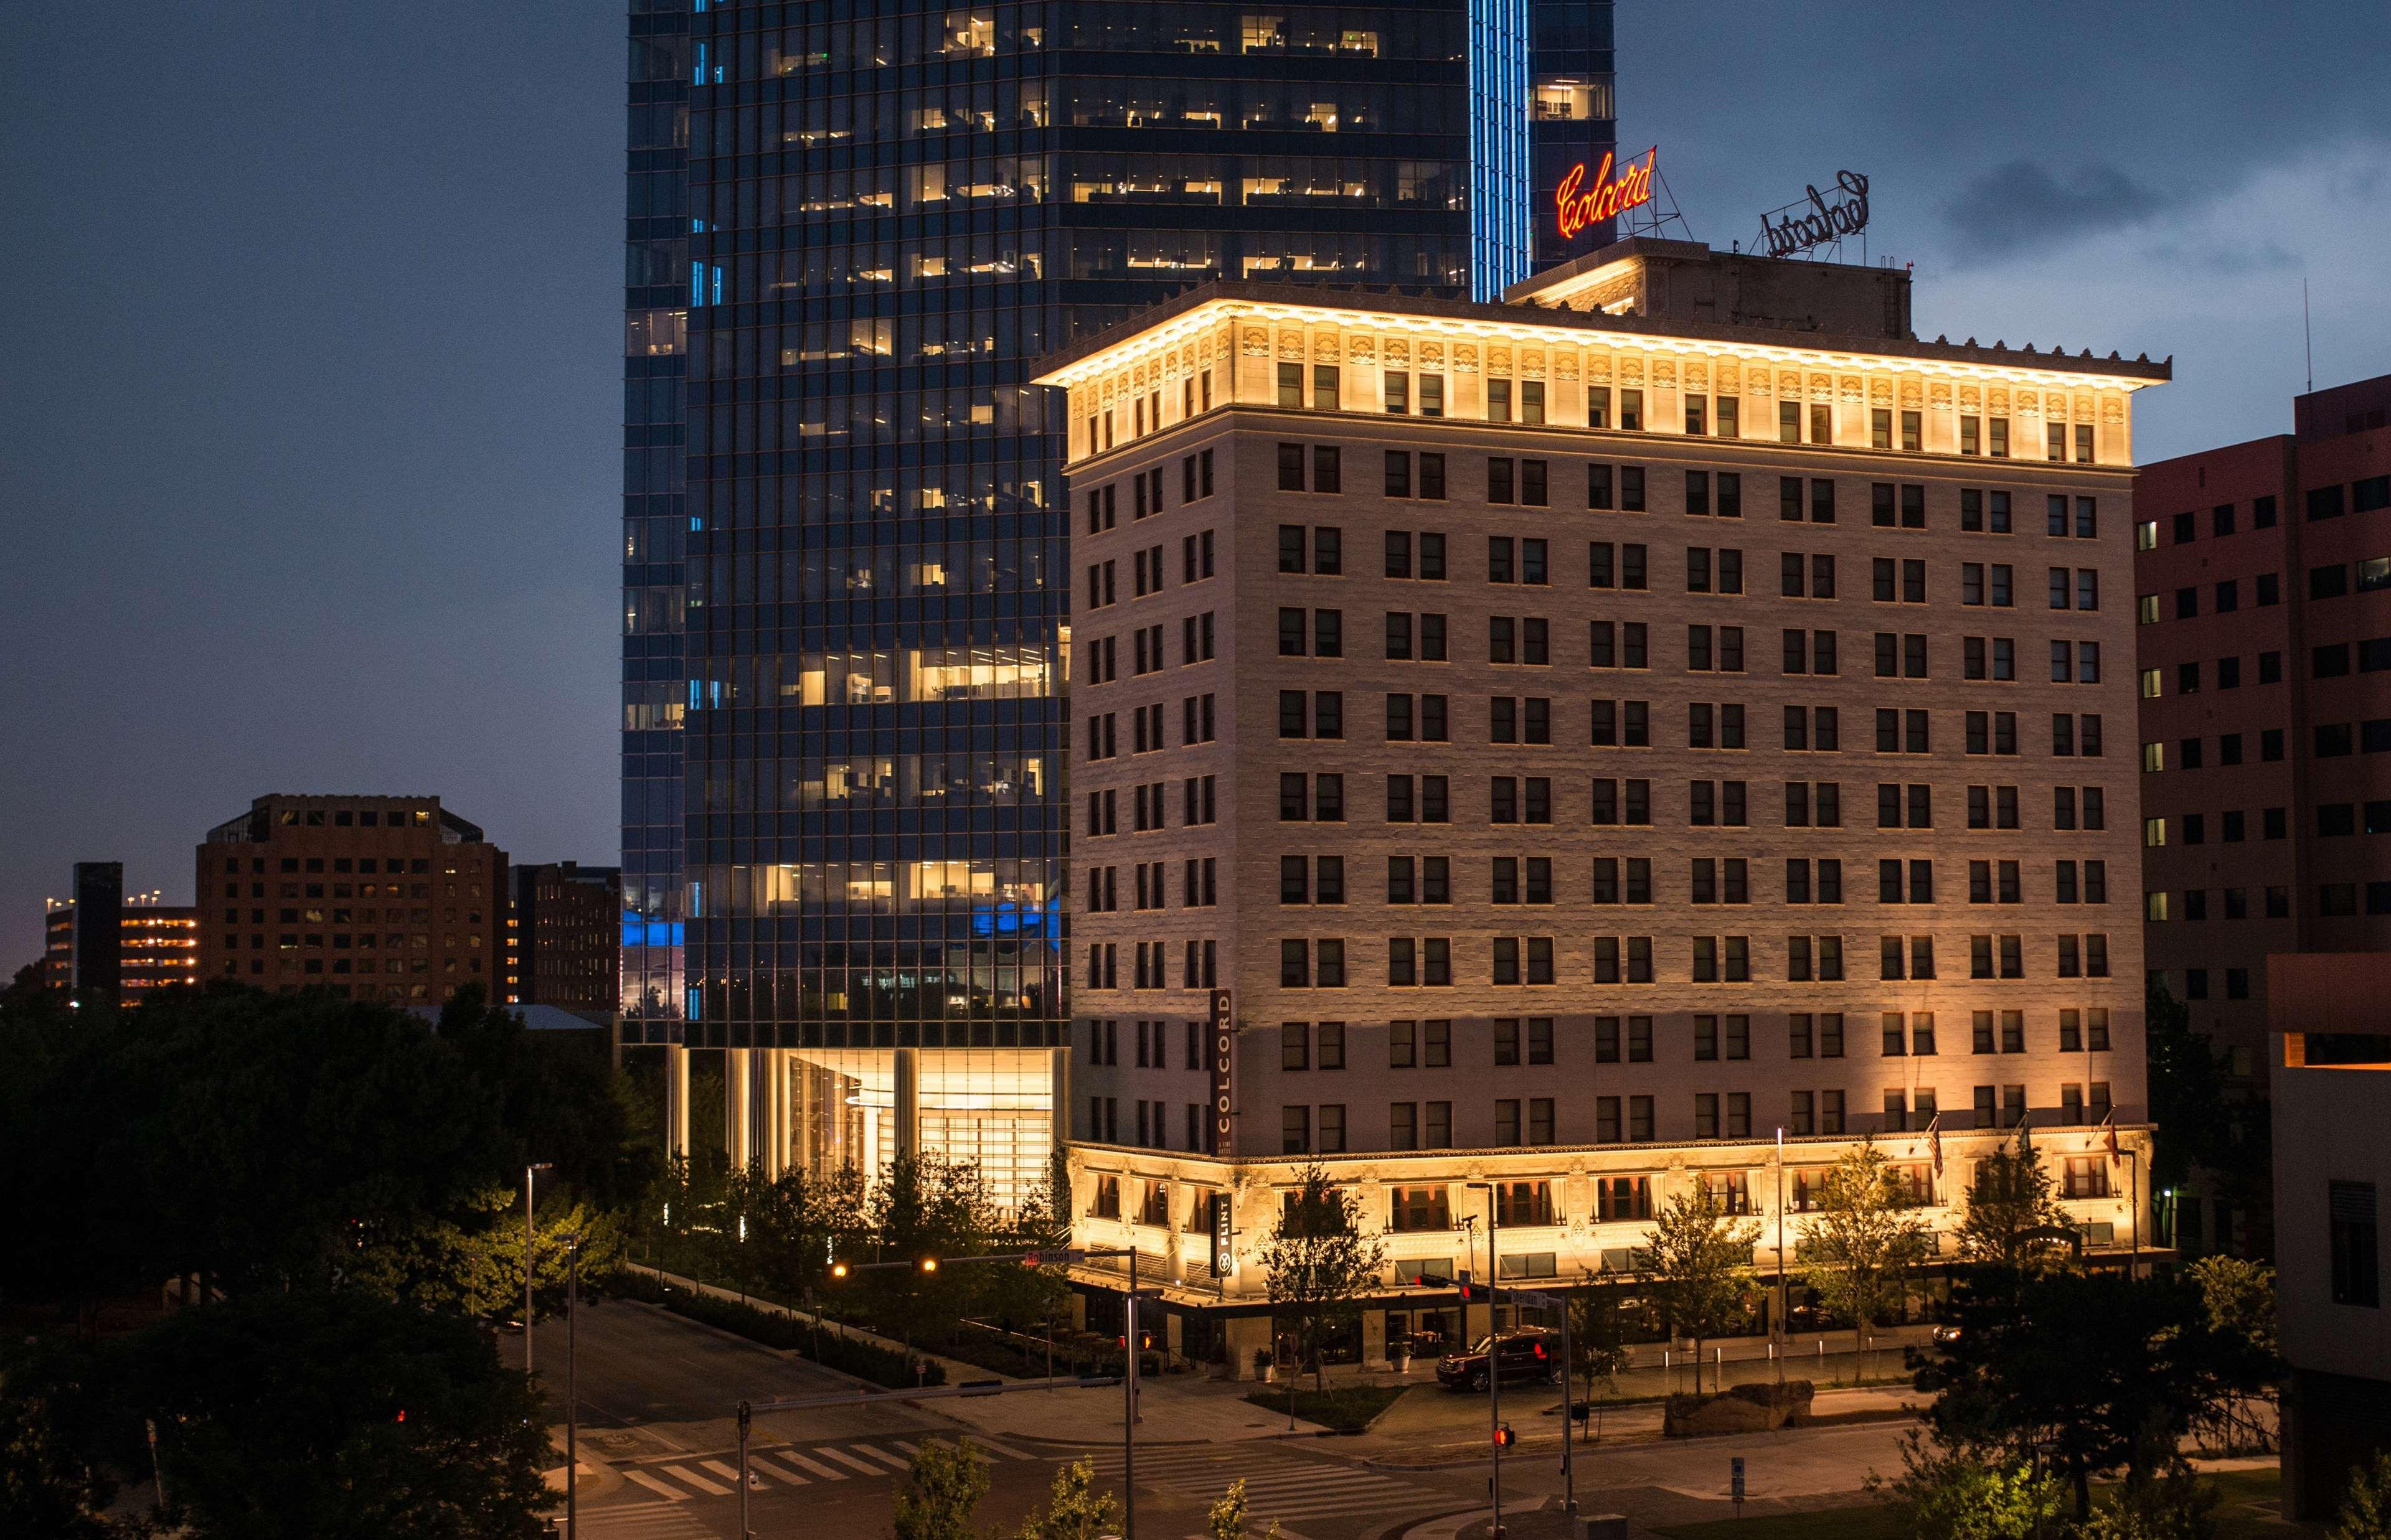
1505 1438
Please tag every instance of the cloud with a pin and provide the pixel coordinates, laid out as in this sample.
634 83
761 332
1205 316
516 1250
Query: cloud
2022 204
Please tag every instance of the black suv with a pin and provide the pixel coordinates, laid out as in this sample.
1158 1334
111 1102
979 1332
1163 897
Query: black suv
1530 1353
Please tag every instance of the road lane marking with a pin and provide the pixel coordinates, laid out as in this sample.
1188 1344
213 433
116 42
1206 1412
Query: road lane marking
780 1472
643 1479
693 1479
824 1471
732 1473
897 1460
844 1458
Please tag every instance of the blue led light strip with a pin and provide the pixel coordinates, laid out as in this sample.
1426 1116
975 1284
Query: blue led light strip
1501 244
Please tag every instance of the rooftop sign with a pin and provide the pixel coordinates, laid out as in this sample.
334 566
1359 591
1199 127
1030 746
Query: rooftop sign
1577 205
1817 222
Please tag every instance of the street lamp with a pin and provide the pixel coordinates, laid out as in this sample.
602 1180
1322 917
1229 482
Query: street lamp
1128 1340
572 1395
1495 1353
529 1172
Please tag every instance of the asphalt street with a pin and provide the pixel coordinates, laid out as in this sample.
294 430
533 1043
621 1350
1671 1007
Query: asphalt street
659 1454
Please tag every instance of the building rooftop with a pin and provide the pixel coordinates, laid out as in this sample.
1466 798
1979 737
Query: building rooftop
1541 305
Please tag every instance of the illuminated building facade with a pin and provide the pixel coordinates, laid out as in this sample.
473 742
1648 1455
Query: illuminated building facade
847 585
1689 730
375 898
106 945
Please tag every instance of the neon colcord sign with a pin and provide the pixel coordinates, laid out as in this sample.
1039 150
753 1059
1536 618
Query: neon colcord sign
1817 222
1580 202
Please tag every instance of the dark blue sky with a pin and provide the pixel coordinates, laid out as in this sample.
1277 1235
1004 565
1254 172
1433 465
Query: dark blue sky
310 467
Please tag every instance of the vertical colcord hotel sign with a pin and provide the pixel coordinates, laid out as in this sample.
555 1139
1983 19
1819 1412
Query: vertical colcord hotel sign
1224 1043
1586 200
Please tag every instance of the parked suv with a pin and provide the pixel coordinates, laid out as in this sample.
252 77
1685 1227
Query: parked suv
1529 1353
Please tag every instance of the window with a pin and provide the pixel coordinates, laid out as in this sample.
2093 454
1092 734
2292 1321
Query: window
2354 1243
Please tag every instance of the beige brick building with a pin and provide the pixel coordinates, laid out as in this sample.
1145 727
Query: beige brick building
1581 741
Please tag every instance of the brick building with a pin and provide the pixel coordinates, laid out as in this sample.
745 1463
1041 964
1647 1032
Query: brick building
384 898
2263 588
1569 745
564 931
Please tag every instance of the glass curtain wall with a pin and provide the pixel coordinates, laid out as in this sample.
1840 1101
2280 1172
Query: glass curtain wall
655 519
855 593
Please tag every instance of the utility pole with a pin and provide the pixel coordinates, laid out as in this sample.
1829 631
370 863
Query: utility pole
1783 1342
746 1415
571 1401
1129 1413
1493 1353
529 1237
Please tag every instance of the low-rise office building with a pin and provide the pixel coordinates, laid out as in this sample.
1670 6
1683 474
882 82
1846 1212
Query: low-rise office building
1565 745
2331 1088
376 898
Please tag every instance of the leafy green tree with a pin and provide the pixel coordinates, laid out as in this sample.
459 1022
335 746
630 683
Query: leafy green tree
1861 1245
1317 1262
942 1490
1598 1352
1701 1265
1226 1518
1074 1509
2009 1197
2239 1297
322 1415
2366 1510
475 1262
1950 1494
2091 1372
926 1206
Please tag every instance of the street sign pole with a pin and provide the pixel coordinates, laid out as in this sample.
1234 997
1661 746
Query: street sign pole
746 1416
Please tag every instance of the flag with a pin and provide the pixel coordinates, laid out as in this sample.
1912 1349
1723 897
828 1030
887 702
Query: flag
2108 1132
2025 1137
1934 1141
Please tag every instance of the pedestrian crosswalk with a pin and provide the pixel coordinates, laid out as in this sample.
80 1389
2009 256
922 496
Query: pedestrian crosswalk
658 1518
682 1479
1279 1484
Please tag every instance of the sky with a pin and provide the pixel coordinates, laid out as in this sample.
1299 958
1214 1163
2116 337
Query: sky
309 441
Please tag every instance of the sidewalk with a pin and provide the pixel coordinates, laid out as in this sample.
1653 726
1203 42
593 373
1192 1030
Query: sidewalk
1179 1408
1432 1430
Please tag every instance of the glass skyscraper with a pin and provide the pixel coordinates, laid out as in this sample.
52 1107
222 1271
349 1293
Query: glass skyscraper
852 230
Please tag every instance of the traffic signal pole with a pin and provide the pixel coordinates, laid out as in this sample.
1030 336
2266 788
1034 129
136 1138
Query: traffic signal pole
1129 1349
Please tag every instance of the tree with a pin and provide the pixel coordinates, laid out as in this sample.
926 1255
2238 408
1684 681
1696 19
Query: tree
942 1490
1227 1518
924 1205
321 1416
50 1484
2090 1372
1074 1509
1951 1493
1597 1336
1700 1262
2239 1297
1864 1240
1318 1263
2010 1196
2366 1511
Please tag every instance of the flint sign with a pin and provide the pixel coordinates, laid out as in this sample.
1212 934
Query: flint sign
1800 226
